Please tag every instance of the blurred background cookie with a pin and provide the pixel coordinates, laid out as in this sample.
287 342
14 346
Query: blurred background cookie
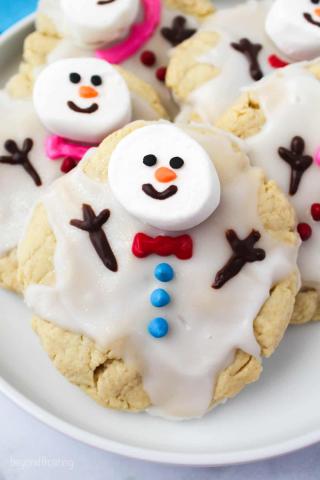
137 34
278 118
236 47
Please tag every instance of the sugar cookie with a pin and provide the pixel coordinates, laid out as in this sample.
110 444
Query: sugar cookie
135 302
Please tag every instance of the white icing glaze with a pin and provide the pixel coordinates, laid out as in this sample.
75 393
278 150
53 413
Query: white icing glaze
198 193
66 48
177 378
293 34
18 191
246 20
95 25
53 92
290 102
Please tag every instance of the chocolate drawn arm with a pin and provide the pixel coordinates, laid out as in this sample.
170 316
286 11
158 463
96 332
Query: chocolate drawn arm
20 157
243 252
297 160
93 224
251 52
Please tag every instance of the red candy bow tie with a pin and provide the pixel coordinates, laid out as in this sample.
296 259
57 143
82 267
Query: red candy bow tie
181 247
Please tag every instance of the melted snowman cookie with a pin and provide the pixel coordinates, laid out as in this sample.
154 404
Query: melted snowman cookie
136 279
278 117
237 47
76 103
136 34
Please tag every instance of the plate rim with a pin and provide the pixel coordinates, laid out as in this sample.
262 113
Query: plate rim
16 28
121 448
152 455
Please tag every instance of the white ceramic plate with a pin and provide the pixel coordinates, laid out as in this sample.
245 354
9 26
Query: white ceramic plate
277 415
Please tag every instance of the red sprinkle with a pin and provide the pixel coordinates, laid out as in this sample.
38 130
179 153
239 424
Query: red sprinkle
161 74
276 62
315 212
68 164
148 58
305 231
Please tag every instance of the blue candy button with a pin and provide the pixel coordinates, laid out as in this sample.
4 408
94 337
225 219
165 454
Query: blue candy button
164 272
160 298
158 327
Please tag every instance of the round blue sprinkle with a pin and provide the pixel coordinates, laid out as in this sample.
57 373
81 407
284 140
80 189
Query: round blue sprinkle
158 327
164 272
160 298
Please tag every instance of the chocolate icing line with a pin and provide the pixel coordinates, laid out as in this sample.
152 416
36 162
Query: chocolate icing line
153 193
297 161
243 252
309 19
21 157
93 224
178 32
93 108
250 51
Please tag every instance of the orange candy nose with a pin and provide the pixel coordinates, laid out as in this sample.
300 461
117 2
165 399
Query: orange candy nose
164 174
88 92
317 12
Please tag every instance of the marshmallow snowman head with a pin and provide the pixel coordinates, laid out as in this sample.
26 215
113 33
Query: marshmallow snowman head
294 27
94 23
163 177
82 99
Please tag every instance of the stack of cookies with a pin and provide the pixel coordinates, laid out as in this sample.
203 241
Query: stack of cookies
159 203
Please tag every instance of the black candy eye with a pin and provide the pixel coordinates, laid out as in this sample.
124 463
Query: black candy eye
315 1
176 162
74 77
96 80
150 160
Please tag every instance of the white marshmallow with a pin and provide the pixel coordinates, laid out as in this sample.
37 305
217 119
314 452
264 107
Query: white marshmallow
291 32
110 102
197 182
94 24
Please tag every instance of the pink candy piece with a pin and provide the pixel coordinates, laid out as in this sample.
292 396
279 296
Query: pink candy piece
58 147
139 34
317 157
